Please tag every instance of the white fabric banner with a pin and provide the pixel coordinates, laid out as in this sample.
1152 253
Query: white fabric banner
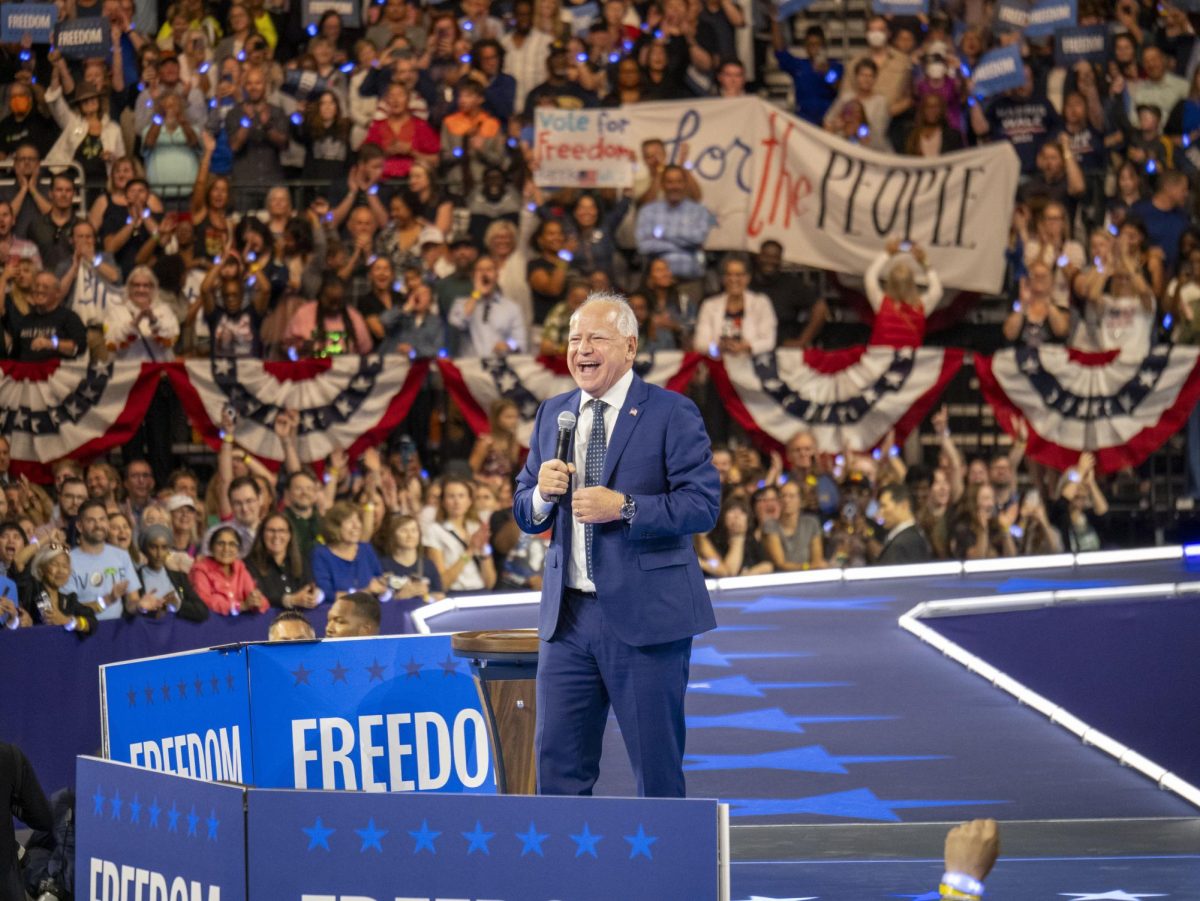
767 175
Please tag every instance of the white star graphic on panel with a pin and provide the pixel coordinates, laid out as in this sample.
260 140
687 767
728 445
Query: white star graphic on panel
1116 895
344 407
72 410
19 421
1147 379
222 367
507 382
307 422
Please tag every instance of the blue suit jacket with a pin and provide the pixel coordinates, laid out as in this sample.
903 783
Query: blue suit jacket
646 572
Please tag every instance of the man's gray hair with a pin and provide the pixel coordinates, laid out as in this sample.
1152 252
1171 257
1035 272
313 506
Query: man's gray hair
625 319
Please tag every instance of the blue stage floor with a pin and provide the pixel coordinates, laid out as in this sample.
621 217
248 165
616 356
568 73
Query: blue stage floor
810 705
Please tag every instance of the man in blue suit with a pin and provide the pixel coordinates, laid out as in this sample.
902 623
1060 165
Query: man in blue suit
622 591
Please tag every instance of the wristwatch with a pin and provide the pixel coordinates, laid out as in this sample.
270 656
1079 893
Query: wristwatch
629 508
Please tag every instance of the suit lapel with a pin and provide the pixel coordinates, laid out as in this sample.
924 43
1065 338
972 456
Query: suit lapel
631 413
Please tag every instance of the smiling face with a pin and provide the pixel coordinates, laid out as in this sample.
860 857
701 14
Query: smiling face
598 355
277 533
120 533
57 571
225 547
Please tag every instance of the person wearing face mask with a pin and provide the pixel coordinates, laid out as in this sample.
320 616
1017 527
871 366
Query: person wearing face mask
901 308
936 79
893 68
25 124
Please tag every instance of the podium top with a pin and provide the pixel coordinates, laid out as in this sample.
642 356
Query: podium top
496 641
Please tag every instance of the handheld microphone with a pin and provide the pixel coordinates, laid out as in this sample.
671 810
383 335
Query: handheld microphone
566 428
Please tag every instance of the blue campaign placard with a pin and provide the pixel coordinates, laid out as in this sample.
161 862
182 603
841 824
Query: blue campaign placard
394 713
142 834
84 38
377 847
187 714
900 7
37 20
1047 16
999 70
1086 43
1011 15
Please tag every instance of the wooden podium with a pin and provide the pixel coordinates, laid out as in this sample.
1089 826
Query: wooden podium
504 664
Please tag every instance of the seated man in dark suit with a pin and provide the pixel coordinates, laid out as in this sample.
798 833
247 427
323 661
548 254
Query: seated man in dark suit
904 542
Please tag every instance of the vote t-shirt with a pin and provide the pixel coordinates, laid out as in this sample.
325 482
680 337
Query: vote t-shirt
1026 122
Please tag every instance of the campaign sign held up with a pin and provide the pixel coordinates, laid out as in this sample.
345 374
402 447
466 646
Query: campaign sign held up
187 714
389 714
1010 15
1047 16
34 19
589 148
900 7
84 38
330 845
146 835
1084 43
347 9
999 70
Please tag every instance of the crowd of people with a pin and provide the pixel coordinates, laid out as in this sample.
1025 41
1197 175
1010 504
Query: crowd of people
243 183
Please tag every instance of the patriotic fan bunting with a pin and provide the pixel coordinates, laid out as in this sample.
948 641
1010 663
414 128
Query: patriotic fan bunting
70 409
1120 409
847 399
346 402
475 384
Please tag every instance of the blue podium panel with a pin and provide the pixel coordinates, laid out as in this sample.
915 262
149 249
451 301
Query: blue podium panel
373 714
144 834
334 846
187 714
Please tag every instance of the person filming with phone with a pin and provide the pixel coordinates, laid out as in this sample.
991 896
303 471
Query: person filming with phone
901 307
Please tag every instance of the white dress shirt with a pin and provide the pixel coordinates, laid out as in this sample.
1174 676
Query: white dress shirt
576 567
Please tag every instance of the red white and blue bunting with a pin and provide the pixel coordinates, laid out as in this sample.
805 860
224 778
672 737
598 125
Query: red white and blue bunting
476 383
1119 409
848 399
71 408
348 402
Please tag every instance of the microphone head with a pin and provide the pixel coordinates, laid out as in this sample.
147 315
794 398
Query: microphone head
566 420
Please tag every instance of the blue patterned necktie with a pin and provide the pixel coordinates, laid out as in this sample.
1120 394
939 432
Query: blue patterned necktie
593 468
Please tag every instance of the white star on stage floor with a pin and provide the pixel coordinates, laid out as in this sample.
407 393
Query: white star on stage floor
1115 895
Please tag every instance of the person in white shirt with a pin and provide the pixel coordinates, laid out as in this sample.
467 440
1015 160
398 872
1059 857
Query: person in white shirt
144 327
493 323
525 52
738 321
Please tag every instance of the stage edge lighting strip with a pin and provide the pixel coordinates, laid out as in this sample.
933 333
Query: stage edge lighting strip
1124 755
